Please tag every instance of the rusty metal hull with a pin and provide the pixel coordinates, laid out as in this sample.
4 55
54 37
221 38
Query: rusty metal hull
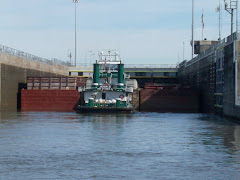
49 100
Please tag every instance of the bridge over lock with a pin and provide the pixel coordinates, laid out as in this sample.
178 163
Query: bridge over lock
143 73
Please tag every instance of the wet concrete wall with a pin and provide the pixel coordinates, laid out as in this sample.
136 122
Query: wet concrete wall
201 75
14 71
229 105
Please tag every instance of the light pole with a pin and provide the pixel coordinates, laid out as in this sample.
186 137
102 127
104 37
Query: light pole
91 58
233 6
219 10
192 28
70 57
76 1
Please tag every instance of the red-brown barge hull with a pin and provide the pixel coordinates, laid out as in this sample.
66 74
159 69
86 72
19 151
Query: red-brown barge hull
49 100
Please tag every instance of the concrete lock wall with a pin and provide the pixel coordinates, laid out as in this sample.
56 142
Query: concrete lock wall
201 75
230 107
15 70
237 51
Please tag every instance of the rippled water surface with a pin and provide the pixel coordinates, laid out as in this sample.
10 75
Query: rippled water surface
118 146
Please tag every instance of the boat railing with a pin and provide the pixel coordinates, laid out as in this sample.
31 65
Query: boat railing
98 104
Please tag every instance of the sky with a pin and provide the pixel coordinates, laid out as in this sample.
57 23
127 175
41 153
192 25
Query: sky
143 31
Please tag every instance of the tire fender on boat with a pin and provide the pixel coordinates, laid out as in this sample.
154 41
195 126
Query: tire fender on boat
94 96
121 96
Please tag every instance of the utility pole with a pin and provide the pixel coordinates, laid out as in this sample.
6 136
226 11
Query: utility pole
76 1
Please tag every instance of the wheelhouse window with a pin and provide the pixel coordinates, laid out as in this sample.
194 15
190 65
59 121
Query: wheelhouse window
103 95
80 73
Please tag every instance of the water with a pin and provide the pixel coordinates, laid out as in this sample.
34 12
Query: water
118 146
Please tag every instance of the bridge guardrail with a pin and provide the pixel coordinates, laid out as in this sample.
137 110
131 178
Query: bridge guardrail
31 57
172 66
151 66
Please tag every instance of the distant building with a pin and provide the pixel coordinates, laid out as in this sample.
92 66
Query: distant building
201 46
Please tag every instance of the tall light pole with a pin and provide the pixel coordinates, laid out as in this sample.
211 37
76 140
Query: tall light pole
183 50
91 58
192 28
230 9
219 10
76 1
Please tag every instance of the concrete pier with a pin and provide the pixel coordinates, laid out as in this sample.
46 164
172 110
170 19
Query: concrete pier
231 103
14 72
215 74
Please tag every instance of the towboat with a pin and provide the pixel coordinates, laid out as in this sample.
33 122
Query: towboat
107 91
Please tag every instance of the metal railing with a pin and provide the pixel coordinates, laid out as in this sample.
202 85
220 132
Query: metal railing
223 42
82 65
21 54
151 66
138 65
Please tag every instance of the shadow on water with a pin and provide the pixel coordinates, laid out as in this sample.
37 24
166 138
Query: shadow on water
219 119
221 128
11 116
